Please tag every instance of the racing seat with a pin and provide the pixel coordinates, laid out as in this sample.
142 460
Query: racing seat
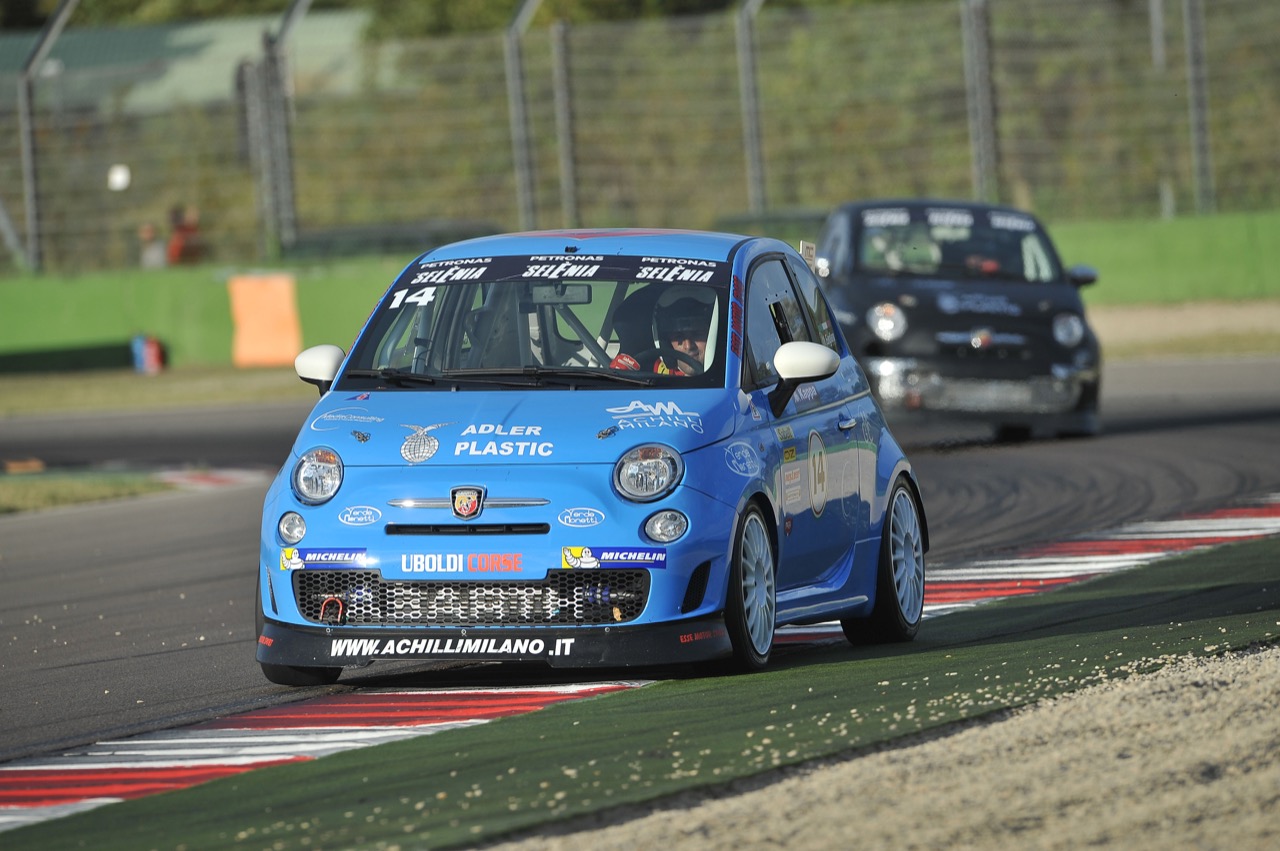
633 320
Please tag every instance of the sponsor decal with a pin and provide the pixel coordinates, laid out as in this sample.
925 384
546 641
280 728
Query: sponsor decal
462 562
501 430
445 275
1005 221
518 448
677 272
361 436
296 558
341 648
581 518
740 458
788 454
886 217
578 557
701 635
359 397
977 303
330 420
640 414
950 218
606 432
359 515
568 267
806 393
784 433
612 557
419 446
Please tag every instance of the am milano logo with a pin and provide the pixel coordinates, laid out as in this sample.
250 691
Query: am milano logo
657 415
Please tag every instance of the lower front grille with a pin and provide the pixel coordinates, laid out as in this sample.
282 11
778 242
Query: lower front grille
565 597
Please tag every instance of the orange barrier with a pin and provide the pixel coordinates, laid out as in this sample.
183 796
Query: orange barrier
266 330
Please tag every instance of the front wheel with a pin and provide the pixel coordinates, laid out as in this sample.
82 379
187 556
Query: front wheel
899 578
285 675
751 606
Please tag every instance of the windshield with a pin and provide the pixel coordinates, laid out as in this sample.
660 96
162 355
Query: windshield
955 242
547 321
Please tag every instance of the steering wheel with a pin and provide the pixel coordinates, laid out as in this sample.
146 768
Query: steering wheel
672 355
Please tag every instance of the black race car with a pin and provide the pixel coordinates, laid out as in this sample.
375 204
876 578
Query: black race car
963 309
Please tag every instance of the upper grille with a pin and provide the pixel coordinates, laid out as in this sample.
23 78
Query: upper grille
565 597
468 528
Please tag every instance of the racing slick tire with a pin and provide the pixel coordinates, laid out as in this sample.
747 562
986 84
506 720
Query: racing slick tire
751 604
899 579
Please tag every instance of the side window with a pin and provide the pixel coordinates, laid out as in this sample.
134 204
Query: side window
774 317
814 303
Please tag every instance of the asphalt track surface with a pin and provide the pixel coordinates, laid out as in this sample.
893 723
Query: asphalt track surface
135 616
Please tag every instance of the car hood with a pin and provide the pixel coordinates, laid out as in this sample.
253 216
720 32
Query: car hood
410 428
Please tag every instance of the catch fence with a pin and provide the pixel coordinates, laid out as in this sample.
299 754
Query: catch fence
306 141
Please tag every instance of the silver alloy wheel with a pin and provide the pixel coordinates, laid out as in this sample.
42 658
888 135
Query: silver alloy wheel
906 554
758 599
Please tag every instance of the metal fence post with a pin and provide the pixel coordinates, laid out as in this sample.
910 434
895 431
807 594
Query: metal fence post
744 29
1198 105
520 143
563 88
26 124
980 94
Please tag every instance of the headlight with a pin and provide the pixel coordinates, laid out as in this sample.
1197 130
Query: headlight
887 321
317 475
1068 329
648 472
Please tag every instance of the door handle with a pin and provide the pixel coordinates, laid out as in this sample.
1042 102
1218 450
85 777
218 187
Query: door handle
849 424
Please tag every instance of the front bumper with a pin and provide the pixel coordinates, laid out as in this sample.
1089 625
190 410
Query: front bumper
903 384
672 642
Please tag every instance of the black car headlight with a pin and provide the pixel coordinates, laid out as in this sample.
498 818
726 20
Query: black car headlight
1068 329
317 475
887 321
648 472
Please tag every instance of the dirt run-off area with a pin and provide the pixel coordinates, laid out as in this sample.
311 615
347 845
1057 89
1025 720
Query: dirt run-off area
1187 756
1201 328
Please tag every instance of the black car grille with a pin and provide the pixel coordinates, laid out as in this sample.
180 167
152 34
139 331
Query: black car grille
468 528
565 597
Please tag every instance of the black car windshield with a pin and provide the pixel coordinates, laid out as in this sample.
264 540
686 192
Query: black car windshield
537 321
956 243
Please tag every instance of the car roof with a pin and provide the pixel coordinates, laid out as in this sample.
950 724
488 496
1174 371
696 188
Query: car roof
920 203
688 244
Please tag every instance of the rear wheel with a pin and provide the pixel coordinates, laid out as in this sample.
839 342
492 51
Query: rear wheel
751 607
286 675
899 579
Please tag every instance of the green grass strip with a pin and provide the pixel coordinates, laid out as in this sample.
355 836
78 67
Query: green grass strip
35 491
473 785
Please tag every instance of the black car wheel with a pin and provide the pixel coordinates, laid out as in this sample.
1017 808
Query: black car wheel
899 579
751 605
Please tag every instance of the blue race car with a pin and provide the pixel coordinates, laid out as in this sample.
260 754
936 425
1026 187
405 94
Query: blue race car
588 448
